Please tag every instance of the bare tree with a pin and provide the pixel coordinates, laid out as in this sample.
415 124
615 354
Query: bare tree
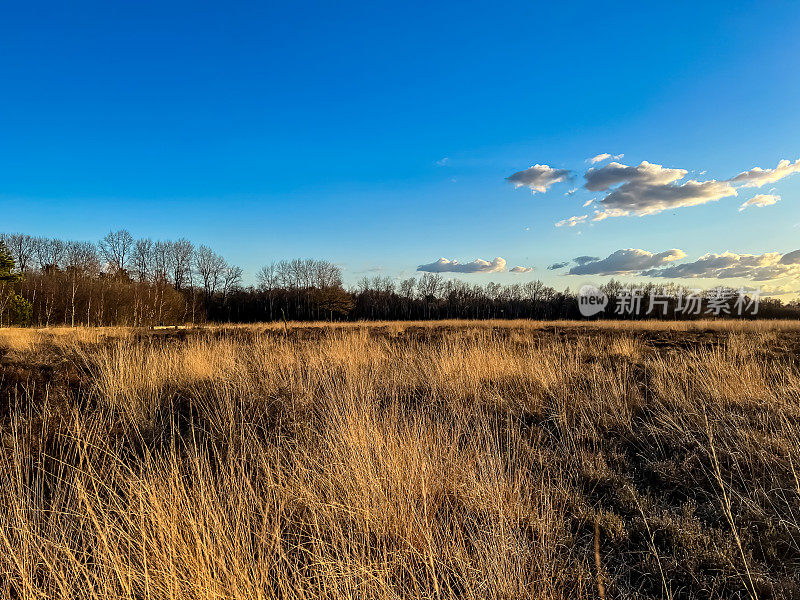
161 254
325 274
81 257
383 284
298 272
81 262
231 279
142 259
268 280
21 247
429 285
407 287
267 277
533 290
286 274
210 267
181 255
49 252
115 249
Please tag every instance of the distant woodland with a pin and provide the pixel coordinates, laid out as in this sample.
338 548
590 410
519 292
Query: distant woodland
124 281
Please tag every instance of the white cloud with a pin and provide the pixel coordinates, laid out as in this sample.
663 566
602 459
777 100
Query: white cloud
602 178
756 177
758 267
538 178
442 162
642 199
600 215
601 157
588 202
649 189
519 269
760 200
627 261
727 265
572 221
444 265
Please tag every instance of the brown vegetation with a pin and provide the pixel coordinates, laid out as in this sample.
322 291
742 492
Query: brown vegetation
122 281
402 460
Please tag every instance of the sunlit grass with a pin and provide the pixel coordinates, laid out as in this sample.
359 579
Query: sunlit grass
401 460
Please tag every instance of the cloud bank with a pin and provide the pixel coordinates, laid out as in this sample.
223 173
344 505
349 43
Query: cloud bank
444 265
519 269
728 265
621 262
778 290
649 188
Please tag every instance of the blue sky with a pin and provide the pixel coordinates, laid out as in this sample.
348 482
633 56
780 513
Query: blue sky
278 130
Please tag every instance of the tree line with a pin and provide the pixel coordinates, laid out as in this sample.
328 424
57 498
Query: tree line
124 281
116 281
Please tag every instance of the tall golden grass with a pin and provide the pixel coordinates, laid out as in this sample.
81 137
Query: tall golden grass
402 460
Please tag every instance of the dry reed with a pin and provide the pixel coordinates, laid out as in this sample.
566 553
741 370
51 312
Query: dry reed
402 460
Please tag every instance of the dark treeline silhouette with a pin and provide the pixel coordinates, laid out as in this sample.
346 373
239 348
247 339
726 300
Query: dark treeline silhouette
140 282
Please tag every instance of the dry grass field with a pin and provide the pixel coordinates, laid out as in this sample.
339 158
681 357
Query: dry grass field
402 460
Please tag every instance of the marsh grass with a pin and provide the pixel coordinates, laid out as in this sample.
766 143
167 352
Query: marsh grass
402 460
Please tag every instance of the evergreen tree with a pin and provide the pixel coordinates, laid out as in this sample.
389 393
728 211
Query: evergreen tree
6 265
14 309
